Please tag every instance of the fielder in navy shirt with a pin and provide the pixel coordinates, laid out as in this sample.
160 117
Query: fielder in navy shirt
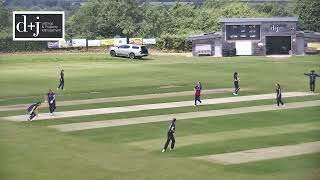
33 110
312 80
170 136
61 84
236 80
279 95
51 98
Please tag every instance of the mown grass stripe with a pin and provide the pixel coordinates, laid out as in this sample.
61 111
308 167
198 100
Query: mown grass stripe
180 116
229 135
263 153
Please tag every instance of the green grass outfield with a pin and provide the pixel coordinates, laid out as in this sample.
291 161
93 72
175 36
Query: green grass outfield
32 151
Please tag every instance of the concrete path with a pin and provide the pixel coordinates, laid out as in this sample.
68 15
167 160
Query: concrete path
121 98
263 154
179 116
88 112
156 144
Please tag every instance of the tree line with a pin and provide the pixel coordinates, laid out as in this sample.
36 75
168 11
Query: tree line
99 19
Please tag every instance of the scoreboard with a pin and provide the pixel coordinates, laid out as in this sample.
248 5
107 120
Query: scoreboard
242 32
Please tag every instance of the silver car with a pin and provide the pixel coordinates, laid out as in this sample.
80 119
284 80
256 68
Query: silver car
129 50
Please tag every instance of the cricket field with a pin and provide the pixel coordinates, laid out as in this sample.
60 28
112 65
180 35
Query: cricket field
112 118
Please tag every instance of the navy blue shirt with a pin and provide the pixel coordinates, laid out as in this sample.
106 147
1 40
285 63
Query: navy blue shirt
61 76
312 76
51 97
33 107
235 77
172 127
278 90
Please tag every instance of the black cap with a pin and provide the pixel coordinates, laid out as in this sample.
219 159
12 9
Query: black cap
174 119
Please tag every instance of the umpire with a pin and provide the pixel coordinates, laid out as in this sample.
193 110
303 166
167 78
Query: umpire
170 136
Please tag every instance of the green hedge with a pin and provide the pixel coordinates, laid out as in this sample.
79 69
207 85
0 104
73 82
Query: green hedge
174 42
8 45
164 42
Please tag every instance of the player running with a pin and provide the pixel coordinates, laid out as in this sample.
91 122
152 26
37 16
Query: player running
312 77
197 93
33 110
61 84
51 98
170 137
236 80
279 95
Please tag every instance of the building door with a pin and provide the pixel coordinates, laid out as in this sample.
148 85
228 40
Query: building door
300 45
278 45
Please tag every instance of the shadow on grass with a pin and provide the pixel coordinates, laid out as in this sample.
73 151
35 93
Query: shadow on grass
124 58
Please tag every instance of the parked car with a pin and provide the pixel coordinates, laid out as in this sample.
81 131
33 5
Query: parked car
129 50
